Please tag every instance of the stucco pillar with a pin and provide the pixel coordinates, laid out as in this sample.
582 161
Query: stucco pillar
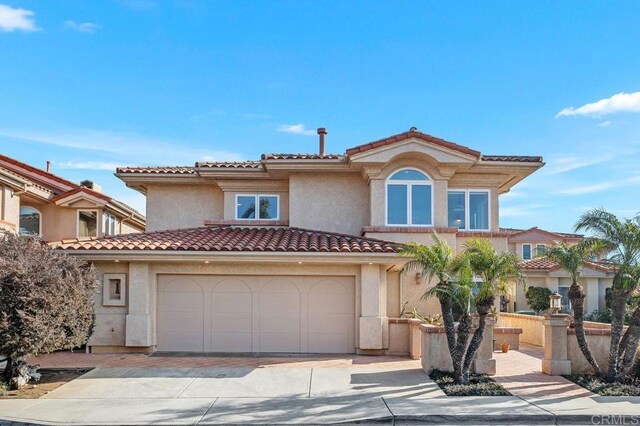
139 322
440 202
373 322
556 361
484 362
377 201
415 343
593 295
9 209
552 283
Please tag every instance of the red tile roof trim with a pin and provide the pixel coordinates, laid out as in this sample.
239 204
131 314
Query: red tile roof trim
230 165
302 157
158 170
228 239
83 190
513 158
544 264
35 171
412 134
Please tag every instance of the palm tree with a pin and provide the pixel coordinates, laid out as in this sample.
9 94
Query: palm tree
495 270
622 239
572 258
439 262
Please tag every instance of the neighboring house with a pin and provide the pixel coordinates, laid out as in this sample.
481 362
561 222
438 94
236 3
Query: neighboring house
37 202
529 244
294 252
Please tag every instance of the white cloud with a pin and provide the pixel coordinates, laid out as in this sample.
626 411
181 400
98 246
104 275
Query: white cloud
83 27
124 148
297 129
605 123
87 165
600 187
16 19
568 163
621 102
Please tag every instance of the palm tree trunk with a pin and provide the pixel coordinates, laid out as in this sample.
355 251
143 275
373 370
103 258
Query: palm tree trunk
474 344
629 343
618 308
446 306
464 329
576 297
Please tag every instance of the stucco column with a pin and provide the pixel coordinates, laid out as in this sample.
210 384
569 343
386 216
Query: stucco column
373 322
556 361
593 295
552 283
440 202
377 201
415 343
138 322
484 362
9 209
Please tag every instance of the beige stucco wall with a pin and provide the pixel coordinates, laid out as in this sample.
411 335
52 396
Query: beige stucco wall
599 345
331 202
182 206
9 209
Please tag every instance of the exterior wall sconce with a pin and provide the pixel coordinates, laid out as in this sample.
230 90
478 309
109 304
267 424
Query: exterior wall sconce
556 303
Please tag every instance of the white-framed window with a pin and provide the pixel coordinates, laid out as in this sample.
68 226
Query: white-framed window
540 248
469 209
110 224
30 221
268 207
87 223
526 251
409 198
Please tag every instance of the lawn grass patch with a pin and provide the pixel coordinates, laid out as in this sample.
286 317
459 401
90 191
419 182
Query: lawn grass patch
600 387
479 385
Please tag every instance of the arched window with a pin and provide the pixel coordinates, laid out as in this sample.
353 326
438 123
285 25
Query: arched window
409 198
30 221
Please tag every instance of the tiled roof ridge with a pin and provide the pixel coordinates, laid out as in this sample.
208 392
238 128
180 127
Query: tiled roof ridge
42 173
140 169
536 228
513 158
301 156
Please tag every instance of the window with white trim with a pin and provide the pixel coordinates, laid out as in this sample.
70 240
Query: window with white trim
87 223
30 221
526 252
468 209
409 198
268 207
110 224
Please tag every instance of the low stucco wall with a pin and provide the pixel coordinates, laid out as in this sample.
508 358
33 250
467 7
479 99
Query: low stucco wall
599 342
434 348
532 328
398 336
508 335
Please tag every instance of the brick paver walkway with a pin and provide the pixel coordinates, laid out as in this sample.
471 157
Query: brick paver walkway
84 360
520 373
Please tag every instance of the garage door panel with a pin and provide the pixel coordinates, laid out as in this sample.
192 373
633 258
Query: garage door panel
256 314
328 323
231 342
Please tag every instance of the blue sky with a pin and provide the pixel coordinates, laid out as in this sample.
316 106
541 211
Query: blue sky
92 85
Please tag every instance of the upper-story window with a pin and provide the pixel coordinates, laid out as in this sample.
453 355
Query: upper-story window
540 248
87 223
469 209
409 198
110 224
267 207
30 221
526 252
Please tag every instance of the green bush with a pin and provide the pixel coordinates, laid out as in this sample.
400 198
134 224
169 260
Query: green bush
604 316
538 298
479 385
603 388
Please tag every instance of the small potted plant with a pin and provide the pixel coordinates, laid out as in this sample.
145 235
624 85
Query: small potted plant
504 347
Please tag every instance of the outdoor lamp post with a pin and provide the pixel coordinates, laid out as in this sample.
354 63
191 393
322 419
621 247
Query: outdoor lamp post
556 303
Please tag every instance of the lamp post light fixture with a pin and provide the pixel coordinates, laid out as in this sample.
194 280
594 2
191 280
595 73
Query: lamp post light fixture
556 303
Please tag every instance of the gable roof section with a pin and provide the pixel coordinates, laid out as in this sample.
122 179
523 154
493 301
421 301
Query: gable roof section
39 176
412 134
229 239
561 235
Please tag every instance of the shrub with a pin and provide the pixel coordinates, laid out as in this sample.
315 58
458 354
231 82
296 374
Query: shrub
479 385
46 303
538 298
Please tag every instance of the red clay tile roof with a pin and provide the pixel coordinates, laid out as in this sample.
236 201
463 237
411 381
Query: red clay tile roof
84 190
544 264
302 157
40 176
408 135
230 164
234 239
513 158
513 231
157 170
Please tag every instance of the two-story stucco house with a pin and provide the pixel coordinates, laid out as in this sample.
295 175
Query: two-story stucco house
294 252
38 202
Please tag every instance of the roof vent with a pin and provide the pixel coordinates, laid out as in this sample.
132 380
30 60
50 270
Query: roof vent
91 185
322 132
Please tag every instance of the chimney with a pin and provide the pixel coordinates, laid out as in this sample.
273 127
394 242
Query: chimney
48 166
91 185
322 132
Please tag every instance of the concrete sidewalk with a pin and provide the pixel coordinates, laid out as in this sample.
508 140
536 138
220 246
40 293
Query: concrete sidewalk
291 395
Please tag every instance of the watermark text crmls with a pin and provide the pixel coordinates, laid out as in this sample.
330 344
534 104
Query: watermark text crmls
616 419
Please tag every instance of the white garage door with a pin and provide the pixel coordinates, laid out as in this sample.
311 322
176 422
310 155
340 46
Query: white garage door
215 313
